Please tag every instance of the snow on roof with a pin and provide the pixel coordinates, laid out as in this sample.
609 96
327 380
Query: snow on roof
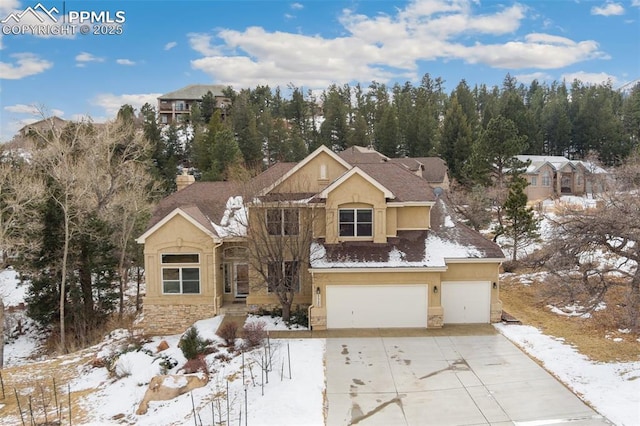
436 250
557 162
234 219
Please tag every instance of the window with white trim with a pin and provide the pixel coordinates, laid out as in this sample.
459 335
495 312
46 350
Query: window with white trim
284 276
546 179
534 181
283 221
180 278
356 222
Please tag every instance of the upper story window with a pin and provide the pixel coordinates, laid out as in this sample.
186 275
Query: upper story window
180 279
179 106
282 221
546 179
534 181
356 222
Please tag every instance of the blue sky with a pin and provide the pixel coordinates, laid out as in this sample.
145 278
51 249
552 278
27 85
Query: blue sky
165 45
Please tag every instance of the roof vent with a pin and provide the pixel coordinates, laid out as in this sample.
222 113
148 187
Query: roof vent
438 191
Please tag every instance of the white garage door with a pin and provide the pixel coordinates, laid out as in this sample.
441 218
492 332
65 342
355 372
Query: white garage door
376 306
466 302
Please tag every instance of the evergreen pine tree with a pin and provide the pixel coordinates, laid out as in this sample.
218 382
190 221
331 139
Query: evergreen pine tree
520 223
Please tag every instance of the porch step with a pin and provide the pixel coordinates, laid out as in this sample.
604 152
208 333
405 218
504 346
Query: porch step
234 309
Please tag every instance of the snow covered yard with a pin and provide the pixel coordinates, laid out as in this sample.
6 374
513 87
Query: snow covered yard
105 395
99 397
612 389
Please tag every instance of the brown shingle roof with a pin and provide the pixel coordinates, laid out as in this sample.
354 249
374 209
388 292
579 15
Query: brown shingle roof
435 169
206 201
405 185
210 199
441 225
358 155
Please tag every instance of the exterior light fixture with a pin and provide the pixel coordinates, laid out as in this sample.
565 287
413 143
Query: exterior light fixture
495 285
435 288
318 291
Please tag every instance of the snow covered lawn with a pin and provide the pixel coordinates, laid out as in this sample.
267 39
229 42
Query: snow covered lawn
612 389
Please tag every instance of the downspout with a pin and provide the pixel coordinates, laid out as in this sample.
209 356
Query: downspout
215 276
311 306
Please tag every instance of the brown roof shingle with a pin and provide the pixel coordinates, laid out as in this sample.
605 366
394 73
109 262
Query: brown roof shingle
405 185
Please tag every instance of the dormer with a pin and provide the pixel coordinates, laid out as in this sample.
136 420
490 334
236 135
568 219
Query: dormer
355 208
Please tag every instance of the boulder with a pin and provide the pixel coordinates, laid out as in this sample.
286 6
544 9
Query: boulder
164 388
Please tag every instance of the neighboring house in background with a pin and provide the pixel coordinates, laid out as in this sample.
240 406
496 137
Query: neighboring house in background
385 252
42 126
552 176
175 105
433 169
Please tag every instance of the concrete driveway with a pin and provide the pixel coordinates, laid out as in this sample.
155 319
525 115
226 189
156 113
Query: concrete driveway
444 380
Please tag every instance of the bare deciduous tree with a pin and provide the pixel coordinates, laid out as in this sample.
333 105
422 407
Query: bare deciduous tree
19 193
279 238
598 249
94 171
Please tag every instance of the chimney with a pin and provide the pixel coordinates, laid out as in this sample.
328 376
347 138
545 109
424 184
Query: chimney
185 179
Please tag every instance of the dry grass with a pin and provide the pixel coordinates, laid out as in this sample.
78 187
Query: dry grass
588 335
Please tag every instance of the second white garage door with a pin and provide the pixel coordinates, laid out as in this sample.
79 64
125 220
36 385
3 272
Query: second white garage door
466 302
376 306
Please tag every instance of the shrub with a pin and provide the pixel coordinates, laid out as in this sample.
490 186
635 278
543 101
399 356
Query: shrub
195 365
192 344
254 333
299 317
229 331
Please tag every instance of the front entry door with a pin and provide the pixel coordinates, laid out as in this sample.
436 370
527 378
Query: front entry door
241 282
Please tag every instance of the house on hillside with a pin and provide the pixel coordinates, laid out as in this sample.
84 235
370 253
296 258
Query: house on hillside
384 250
552 176
42 126
175 105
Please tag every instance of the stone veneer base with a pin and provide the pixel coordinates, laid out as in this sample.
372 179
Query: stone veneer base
173 319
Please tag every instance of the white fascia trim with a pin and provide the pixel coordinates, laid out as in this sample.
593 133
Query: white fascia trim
411 203
356 170
178 211
307 159
475 260
378 269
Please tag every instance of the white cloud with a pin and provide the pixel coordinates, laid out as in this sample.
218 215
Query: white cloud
26 64
33 109
125 62
297 6
589 77
22 109
83 58
8 6
202 43
170 45
88 57
635 3
112 103
608 9
385 46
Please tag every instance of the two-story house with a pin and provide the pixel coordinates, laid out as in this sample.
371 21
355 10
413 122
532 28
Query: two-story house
174 106
552 176
383 252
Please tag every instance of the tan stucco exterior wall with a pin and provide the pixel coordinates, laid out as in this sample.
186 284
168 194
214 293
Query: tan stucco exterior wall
177 236
309 177
413 217
356 192
455 272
